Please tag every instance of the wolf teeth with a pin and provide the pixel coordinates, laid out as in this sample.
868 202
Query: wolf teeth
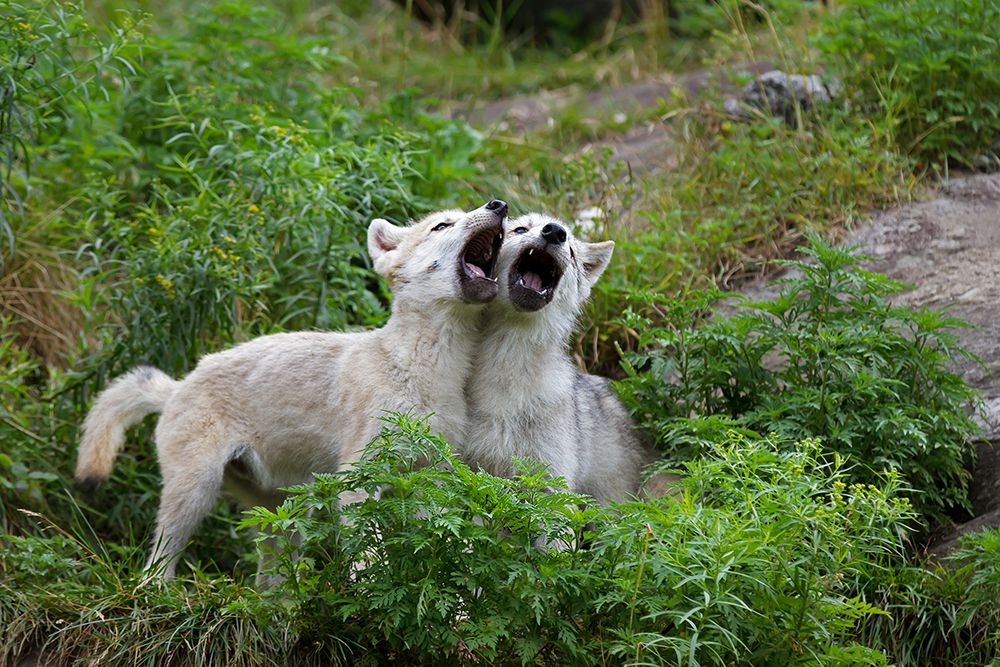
530 251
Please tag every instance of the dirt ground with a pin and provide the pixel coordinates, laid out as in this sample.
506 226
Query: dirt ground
646 146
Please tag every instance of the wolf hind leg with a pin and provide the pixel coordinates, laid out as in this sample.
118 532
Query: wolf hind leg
267 575
192 482
183 505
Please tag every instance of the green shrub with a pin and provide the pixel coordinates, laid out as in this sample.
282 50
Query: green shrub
757 559
743 194
51 64
934 67
828 358
254 179
760 559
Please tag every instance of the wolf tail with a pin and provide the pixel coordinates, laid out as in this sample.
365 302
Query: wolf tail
124 403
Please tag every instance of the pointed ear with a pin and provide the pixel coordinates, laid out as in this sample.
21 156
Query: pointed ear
595 257
383 238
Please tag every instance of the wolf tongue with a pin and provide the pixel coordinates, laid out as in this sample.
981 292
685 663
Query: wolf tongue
532 281
474 270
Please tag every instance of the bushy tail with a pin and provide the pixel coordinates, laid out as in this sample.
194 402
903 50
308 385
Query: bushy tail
124 403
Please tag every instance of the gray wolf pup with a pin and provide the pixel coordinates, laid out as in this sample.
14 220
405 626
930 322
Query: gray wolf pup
268 413
526 397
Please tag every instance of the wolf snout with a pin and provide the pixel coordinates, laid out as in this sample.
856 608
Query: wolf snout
498 206
554 234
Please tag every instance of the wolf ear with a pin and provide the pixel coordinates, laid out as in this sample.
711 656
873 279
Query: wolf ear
383 238
595 257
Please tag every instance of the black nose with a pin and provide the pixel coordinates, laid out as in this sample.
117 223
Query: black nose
554 233
498 205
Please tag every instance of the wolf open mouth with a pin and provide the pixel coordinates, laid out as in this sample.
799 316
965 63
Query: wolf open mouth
479 256
533 279
477 265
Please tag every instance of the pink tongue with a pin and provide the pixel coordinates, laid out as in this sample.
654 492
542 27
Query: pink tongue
533 281
475 270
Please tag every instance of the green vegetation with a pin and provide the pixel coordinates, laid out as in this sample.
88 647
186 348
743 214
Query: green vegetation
829 357
758 558
180 181
944 613
931 66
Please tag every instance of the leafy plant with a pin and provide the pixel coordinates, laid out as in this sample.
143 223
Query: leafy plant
443 566
829 357
756 557
943 612
44 81
931 66
746 193
760 558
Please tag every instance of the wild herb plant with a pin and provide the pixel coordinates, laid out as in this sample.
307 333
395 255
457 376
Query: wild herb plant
829 357
760 558
445 565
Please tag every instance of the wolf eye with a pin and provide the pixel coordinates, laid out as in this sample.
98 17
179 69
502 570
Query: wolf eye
441 225
521 230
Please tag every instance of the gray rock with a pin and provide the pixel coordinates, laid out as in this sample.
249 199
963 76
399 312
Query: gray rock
779 94
987 163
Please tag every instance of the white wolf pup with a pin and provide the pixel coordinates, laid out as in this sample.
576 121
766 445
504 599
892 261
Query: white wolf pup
526 397
268 413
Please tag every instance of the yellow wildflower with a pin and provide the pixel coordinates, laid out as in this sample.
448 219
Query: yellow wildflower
253 208
165 283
